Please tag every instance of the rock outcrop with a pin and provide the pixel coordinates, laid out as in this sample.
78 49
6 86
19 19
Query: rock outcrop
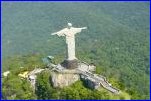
61 80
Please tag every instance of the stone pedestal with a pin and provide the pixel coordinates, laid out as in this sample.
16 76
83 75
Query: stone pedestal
70 64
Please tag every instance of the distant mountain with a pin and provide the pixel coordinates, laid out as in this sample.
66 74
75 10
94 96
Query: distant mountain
26 27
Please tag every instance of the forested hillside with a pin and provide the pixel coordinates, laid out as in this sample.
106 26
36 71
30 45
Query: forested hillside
117 38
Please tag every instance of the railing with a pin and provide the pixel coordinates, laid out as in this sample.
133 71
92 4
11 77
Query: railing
103 82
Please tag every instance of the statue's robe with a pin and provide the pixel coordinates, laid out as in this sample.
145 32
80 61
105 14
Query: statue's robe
70 40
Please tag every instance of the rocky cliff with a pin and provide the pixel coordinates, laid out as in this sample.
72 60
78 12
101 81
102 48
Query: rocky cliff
61 80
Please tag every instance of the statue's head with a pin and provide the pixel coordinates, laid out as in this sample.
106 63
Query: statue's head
69 25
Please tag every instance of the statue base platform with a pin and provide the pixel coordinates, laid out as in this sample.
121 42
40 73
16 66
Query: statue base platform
70 64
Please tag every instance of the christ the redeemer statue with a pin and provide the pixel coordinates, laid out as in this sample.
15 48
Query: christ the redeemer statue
69 33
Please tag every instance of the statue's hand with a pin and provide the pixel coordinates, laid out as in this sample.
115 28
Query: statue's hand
53 33
84 28
59 34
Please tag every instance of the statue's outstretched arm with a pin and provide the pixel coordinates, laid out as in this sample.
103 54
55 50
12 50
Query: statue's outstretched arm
78 30
59 33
